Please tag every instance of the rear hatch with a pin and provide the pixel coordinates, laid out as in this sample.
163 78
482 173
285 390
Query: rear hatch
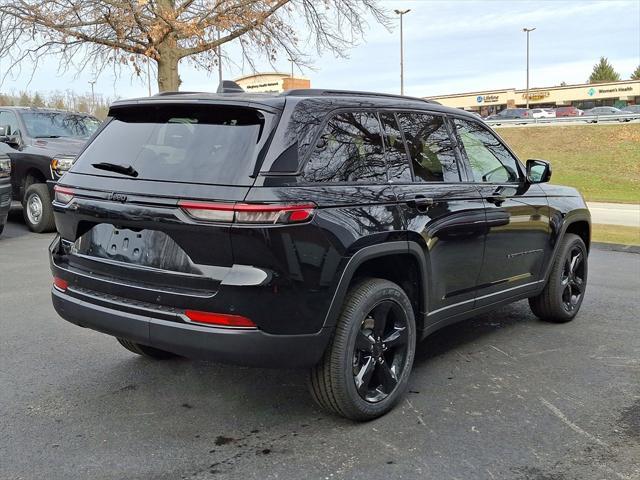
120 210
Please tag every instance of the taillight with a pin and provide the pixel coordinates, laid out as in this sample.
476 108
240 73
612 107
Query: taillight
248 212
63 194
60 284
219 319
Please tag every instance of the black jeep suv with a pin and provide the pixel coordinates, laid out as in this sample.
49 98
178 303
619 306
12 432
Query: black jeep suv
322 229
42 145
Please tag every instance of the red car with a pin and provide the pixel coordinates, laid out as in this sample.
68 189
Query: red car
569 111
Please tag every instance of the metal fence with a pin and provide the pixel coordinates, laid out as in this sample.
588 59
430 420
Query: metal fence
584 118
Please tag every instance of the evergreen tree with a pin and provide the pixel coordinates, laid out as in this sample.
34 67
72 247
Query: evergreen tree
25 100
636 73
603 72
37 101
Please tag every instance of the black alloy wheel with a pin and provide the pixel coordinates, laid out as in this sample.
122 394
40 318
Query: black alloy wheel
365 369
562 296
380 351
573 279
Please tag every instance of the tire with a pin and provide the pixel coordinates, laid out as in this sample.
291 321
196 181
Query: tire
145 351
37 209
374 345
562 296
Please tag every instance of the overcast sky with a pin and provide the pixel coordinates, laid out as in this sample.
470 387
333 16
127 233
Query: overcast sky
450 47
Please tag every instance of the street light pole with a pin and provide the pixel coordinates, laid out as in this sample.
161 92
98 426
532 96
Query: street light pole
401 13
527 31
219 52
292 63
149 75
93 98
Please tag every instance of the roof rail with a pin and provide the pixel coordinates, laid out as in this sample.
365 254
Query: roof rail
316 92
162 94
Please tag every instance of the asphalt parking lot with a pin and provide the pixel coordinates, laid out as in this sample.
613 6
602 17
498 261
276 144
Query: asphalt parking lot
501 396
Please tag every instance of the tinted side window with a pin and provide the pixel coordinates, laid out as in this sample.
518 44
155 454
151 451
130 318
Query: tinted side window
396 153
348 150
9 118
430 147
490 161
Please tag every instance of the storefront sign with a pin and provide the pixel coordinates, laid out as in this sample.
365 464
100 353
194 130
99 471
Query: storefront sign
538 95
592 91
487 98
614 90
262 85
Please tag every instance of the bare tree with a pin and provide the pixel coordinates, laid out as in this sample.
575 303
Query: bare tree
128 33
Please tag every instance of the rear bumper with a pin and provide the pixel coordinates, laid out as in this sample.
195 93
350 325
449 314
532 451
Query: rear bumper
236 346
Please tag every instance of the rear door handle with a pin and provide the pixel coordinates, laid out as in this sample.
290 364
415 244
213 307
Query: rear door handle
496 199
420 203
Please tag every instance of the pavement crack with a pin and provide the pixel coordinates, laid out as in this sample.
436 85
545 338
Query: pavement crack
556 411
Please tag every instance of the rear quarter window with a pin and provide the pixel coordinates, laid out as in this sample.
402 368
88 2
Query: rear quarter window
349 149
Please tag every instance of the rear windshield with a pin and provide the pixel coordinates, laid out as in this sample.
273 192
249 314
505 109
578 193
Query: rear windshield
209 144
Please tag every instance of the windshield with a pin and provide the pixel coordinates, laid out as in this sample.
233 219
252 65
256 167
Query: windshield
59 124
180 143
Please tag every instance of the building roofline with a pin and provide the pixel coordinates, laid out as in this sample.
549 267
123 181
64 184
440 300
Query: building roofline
520 90
258 74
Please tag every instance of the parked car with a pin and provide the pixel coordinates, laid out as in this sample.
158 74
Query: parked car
42 145
322 229
543 113
5 187
603 111
568 111
511 114
631 109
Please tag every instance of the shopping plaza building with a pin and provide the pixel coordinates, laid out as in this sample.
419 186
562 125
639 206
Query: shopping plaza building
584 96
272 82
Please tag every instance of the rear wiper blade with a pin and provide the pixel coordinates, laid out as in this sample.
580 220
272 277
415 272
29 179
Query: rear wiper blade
115 167
48 136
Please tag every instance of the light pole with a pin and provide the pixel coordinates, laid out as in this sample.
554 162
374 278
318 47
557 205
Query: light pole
219 52
149 75
528 31
93 98
401 13
292 63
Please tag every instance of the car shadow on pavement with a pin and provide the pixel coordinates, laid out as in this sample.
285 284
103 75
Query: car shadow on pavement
15 226
197 388
467 331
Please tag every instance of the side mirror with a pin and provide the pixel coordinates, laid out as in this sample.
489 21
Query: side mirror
322 142
538 171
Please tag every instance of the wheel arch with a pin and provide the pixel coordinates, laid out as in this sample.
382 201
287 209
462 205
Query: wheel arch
401 262
31 175
578 223
582 228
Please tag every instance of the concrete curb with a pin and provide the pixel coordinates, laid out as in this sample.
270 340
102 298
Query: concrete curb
616 247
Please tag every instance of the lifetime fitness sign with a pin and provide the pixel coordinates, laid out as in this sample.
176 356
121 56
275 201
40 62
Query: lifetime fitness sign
488 98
